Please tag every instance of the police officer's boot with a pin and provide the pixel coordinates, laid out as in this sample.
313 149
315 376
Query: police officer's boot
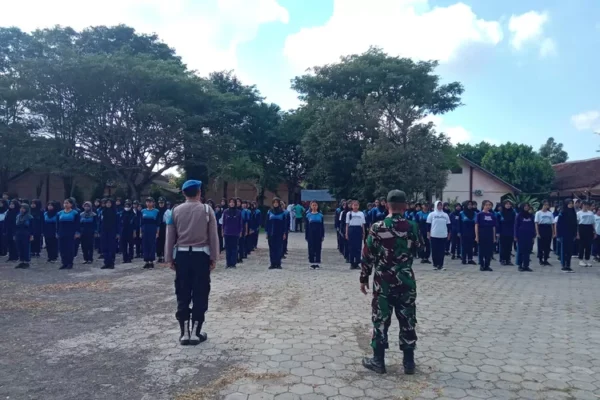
409 362
197 336
184 338
377 363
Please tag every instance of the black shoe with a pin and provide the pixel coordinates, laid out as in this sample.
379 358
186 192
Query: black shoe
488 269
521 269
377 363
317 266
547 264
408 362
482 269
146 266
105 266
278 266
453 257
110 266
184 333
197 337
464 263
151 265
509 264
101 257
426 261
313 266
63 267
19 266
527 269
567 270
471 262
272 267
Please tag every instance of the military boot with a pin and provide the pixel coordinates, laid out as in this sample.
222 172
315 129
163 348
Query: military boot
409 362
377 363
184 327
197 336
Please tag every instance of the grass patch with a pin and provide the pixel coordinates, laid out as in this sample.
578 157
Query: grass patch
97 286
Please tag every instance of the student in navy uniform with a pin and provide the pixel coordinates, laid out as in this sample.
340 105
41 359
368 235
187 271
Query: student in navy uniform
506 222
49 229
423 230
218 215
475 244
3 241
88 229
380 212
276 229
150 227
232 232
314 235
524 236
566 232
257 223
556 212
485 235
67 229
355 222
242 245
343 230
468 218
109 234
544 226
137 240
98 241
288 221
24 235
339 233
128 222
455 248
9 229
162 230
37 215
78 238
96 207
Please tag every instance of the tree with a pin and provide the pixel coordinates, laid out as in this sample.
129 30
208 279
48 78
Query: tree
553 152
474 153
368 101
520 165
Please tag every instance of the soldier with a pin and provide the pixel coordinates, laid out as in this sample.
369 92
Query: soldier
192 250
388 252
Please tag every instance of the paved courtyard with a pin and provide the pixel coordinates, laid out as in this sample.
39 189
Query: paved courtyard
296 334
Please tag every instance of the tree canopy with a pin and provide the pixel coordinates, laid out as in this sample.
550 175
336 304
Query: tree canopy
553 152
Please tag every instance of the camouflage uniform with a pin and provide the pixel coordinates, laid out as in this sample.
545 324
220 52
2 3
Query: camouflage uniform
388 251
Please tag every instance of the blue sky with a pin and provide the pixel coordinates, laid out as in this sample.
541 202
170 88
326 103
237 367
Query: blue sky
529 67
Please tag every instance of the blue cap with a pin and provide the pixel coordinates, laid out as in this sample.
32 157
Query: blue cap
191 184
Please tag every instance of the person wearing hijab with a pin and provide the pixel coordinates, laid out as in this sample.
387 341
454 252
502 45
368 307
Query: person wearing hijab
338 220
524 232
162 230
3 241
218 217
566 232
23 235
355 232
485 235
37 215
314 235
288 218
137 240
422 223
88 230
276 233
128 231
467 232
232 232
67 231
544 226
438 233
9 229
150 232
50 223
455 231
506 228
109 233
343 229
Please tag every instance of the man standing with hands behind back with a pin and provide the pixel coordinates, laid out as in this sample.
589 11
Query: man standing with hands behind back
192 250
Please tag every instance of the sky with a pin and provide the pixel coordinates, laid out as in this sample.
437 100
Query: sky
529 67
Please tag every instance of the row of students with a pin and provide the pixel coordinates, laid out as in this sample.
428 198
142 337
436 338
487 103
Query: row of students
239 223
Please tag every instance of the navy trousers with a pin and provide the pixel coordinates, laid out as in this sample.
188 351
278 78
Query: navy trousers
438 249
231 249
355 244
87 246
275 250
109 247
242 248
566 247
455 248
486 251
467 248
126 246
149 243
24 247
524 247
51 247
192 285
314 250
67 250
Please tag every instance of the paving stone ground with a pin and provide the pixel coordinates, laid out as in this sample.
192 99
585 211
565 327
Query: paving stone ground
296 334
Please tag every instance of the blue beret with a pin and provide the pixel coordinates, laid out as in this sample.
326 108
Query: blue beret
191 184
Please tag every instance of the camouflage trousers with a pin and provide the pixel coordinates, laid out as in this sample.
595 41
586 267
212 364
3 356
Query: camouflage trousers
403 304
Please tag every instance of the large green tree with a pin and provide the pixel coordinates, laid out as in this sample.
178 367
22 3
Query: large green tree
553 152
367 101
474 152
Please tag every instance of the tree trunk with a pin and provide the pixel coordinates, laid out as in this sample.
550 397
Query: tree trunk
291 192
260 199
225 184
67 186
235 189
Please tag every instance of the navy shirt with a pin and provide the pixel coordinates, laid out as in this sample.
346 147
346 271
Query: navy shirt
315 229
68 224
486 222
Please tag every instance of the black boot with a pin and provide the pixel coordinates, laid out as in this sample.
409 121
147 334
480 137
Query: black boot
377 363
197 336
184 336
409 362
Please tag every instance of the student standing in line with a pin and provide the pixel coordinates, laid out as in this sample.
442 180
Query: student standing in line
24 235
597 235
218 215
485 235
128 231
37 215
243 250
525 231
137 240
438 233
287 215
49 229
336 223
150 228
341 230
257 224
379 212
109 233
3 241
355 223
232 233
544 227
566 232
506 222
162 230
97 207
67 229
315 234
455 248
9 229
99 239
422 222
586 220
299 212
88 229
344 229
276 231
475 244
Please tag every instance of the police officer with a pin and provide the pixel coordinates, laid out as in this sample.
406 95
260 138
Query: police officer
192 250
389 252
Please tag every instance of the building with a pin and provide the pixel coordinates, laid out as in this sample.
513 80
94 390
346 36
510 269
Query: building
245 191
469 181
577 179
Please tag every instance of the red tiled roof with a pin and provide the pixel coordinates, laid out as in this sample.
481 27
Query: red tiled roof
577 175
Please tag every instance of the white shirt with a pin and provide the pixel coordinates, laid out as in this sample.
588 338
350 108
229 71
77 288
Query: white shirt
585 218
355 218
597 223
439 221
544 218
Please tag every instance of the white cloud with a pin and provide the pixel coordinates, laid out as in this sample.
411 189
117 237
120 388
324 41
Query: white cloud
528 28
408 28
206 34
457 134
587 121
